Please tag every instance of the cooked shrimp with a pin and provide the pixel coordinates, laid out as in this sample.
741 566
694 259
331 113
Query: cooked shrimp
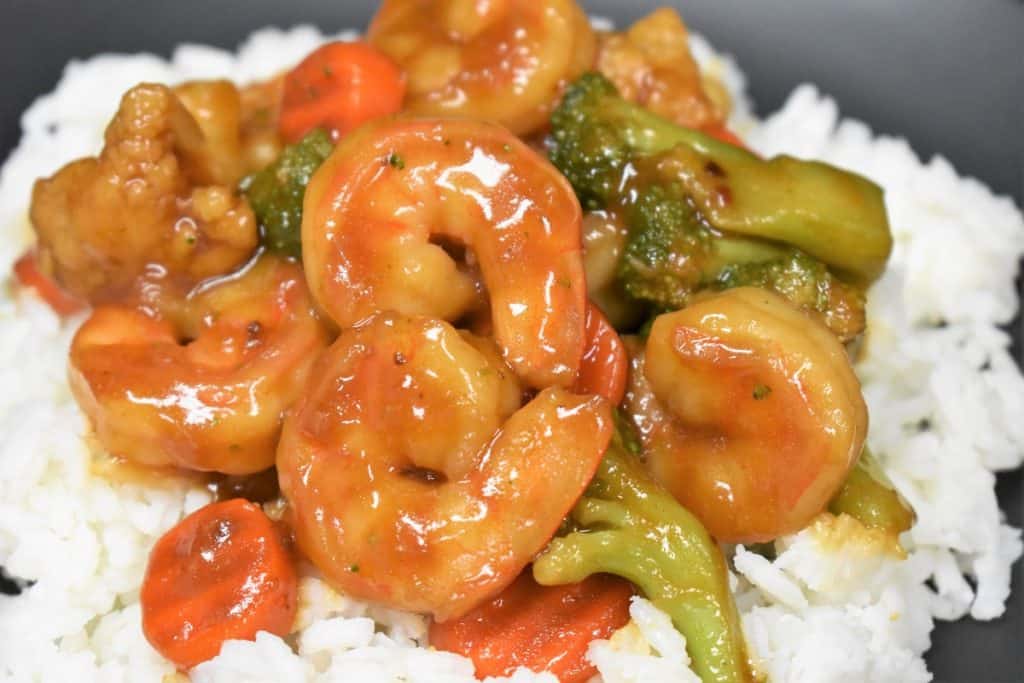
605 365
153 204
413 481
502 60
749 411
208 390
379 211
651 64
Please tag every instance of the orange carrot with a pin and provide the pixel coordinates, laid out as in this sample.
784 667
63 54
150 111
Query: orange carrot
339 86
222 573
604 366
28 274
722 133
543 628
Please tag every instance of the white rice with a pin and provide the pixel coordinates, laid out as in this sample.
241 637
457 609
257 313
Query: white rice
821 611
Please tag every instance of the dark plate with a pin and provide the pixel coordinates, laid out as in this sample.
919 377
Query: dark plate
948 75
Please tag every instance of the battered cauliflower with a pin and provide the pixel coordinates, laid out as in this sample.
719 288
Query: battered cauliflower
158 204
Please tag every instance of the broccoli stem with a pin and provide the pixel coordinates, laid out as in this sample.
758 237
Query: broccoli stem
276 192
867 497
683 194
835 216
629 526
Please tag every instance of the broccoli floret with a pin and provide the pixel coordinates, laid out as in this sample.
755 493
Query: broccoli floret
692 203
628 525
595 135
276 192
806 283
666 251
799 278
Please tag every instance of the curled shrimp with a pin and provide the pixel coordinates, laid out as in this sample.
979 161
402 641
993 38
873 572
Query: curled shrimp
749 411
207 389
503 60
380 211
413 477
159 201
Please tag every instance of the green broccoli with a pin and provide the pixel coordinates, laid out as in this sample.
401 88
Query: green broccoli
667 251
627 525
696 206
674 255
595 136
805 282
276 192
868 497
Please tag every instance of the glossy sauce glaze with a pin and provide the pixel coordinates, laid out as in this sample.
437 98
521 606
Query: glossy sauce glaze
413 476
500 60
208 389
376 208
224 572
749 411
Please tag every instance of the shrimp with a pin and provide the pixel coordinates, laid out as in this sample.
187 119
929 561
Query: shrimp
749 412
158 203
503 60
380 211
205 390
412 480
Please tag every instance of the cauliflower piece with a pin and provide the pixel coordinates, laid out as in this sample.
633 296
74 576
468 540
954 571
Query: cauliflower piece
158 203
651 65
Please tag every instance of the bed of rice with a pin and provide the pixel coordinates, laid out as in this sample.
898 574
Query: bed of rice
944 393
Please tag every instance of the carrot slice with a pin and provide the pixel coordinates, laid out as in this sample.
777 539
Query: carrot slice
222 573
339 86
542 628
28 274
722 133
605 363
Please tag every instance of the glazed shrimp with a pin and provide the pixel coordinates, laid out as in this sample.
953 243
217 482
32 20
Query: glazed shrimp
411 477
503 61
379 211
208 390
749 411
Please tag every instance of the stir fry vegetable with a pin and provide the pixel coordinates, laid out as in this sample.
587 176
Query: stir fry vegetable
631 527
805 282
699 209
338 87
869 498
152 211
541 628
423 466
223 573
275 193
835 216
28 273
